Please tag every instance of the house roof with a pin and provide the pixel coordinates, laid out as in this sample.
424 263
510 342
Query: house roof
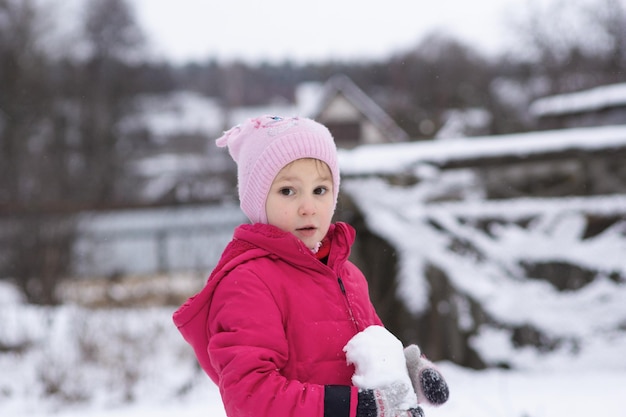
342 84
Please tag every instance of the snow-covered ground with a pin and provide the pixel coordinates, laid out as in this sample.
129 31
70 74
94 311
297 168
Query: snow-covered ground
493 393
93 375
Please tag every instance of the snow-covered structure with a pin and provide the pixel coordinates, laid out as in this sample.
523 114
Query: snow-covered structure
484 277
599 106
460 123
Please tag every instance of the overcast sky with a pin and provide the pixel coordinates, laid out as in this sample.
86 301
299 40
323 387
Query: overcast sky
274 30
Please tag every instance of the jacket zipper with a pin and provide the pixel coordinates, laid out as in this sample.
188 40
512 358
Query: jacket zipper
345 296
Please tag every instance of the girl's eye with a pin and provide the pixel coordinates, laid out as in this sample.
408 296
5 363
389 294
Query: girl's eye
321 190
286 191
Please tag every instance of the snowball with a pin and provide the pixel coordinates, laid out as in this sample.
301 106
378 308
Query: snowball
378 358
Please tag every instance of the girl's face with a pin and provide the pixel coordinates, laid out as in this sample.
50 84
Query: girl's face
301 201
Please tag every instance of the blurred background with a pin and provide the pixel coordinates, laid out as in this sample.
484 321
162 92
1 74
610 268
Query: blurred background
483 156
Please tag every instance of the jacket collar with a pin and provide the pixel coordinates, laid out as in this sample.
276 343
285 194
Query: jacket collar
288 247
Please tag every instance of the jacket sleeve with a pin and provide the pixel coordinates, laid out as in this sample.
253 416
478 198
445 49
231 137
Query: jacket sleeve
248 348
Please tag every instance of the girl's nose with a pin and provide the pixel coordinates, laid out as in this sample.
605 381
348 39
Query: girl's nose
307 206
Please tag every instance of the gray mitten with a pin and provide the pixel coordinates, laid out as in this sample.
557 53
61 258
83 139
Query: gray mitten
428 383
386 402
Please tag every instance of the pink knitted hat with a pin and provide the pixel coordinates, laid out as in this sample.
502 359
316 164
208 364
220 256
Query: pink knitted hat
262 146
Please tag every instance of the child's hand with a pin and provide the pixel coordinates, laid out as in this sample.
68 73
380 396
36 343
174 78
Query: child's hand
379 361
428 383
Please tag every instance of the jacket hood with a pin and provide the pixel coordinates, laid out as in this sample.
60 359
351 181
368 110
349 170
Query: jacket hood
252 241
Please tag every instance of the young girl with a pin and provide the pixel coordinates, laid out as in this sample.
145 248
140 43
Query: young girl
270 326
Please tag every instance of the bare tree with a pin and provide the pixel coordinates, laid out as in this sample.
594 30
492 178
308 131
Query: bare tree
104 92
572 44
439 74
610 18
23 99
61 146
32 250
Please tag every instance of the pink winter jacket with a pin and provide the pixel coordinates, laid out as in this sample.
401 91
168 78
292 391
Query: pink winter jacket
270 324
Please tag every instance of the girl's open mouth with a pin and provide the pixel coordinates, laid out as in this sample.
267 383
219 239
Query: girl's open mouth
307 230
